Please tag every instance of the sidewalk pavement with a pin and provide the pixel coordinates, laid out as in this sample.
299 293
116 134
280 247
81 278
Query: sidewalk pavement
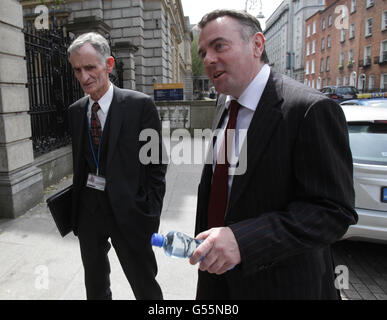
38 264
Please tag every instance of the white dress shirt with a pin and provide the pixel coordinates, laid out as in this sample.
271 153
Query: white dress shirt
104 104
248 100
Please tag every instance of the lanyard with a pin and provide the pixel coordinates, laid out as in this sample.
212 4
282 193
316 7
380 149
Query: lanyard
96 159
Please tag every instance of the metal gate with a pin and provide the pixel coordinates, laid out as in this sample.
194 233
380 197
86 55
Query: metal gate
52 87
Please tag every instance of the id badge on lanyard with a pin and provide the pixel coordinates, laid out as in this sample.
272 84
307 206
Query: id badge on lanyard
95 181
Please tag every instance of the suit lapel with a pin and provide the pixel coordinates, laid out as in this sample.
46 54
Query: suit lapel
220 112
79 122
116 118
265 120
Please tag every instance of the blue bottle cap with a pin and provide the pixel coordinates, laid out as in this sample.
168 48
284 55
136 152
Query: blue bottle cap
157 240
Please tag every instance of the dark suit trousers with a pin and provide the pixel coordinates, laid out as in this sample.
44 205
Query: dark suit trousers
96 225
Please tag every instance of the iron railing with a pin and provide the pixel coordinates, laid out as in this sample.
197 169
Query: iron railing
52 87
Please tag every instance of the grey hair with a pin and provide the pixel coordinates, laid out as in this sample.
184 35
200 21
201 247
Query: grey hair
99 43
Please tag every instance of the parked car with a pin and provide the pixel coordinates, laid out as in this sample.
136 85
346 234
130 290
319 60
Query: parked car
367 127
340 93
378 102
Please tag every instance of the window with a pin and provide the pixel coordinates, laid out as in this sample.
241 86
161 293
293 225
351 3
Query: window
308 49
314 47
383 51
322 44
370 3
368 27
314 27
345 80
323 24
341 59
353 6
350 57
367 56
307 67
338 83
371 82
308 32
367 142
351 31
329 41
383 81
329 21
384 20
322 65
312 68
328 63
342 35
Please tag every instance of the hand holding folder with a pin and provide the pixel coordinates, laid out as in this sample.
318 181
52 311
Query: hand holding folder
60 206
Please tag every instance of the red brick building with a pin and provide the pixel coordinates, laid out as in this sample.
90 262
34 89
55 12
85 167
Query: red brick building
346 44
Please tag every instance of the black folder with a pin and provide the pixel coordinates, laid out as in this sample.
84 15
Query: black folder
60 205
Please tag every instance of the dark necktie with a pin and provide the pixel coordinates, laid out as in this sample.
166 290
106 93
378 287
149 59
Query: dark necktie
95 127
218 195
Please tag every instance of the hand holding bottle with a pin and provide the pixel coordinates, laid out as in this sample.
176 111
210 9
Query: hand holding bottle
220 249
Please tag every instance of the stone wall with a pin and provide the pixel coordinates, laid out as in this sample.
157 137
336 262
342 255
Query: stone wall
20 181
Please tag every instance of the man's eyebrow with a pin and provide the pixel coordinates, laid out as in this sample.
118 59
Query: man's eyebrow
84 66
200 51
217 39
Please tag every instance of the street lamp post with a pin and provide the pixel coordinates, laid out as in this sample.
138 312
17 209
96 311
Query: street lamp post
253 4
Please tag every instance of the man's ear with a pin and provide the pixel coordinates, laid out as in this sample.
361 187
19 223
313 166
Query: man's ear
259 44
110 64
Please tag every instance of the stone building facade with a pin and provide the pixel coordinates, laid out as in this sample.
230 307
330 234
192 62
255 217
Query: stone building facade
21 185
350 45
285 34
151 37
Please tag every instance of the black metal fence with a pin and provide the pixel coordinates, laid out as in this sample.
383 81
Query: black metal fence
52 87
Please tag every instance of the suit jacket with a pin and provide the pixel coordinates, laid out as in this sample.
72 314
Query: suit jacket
135 191
295 198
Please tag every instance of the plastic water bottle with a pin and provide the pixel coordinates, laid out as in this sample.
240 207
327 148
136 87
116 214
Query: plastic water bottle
176 244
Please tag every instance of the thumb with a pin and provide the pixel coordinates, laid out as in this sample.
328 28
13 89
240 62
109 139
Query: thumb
203 235
202 250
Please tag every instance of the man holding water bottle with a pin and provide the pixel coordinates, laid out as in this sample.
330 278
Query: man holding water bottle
267 232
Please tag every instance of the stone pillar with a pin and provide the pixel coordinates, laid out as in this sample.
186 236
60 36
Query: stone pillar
125 51
21 184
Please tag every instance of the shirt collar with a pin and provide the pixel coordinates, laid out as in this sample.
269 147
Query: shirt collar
252 94
105 100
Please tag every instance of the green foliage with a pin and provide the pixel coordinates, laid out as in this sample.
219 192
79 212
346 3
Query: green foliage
197 63
57 2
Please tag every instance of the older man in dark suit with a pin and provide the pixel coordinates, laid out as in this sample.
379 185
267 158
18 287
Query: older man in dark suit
268 231
115 195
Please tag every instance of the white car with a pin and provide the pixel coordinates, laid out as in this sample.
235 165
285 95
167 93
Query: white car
367 127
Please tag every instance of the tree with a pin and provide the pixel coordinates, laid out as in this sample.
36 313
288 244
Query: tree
197 63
